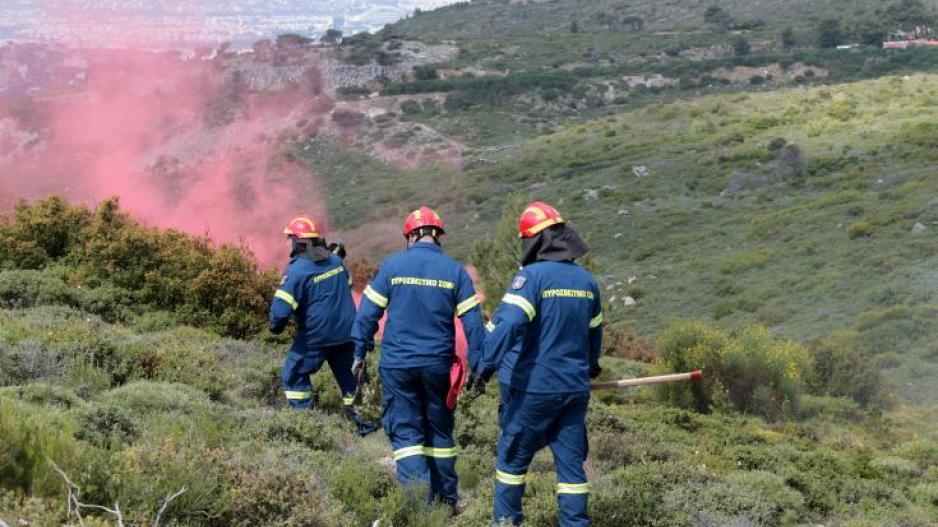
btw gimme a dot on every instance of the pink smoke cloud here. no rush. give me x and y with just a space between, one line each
185 144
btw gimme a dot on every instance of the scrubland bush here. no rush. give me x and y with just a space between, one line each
757 497
926 494
314 432
159 467
844 371
270 492
860 229
748 369
142 398
125 265
29 439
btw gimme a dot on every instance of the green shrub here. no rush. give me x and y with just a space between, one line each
922 452
27 510
111 255
144 397
757 373
896 466
843 371
361 487
314 431
102 423
923 135
742 261
832 408
633 496
756 497
31 436
860 229
43 394
270 492
152 470
35 234
925 494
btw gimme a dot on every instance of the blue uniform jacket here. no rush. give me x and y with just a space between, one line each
547 331
422 290
319 296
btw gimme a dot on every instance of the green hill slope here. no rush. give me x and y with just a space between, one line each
794 208
134 413
102 376
524 34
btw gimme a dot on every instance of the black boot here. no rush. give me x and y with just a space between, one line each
362 427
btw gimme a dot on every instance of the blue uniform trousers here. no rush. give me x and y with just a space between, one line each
299 367
420 428
297 384
529 422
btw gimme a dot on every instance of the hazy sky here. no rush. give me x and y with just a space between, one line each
208 20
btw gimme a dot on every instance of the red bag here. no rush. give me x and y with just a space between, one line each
459 373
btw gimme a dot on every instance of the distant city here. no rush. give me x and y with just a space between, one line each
183 22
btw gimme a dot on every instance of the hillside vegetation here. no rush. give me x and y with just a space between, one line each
135 411
528 68
768 212
812 211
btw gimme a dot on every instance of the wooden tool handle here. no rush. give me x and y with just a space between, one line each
642 381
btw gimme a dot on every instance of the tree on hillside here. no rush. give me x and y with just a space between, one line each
574 27
292 41
496 259
830 34
332 36
425 73
909 14
607 21
789 164
717 16
788 39
741 47
635 22
873 33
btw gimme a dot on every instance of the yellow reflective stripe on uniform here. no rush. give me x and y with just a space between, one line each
287 297
377 298
348 400
573 488
439 453
596 321
328 274
408 451
466 305
510 479
298 396
490 326
521 302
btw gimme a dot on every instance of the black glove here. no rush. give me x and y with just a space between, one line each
338 248
594 371
277 327
476 385
358 368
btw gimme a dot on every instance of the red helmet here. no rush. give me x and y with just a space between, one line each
536 217
423 217
303 227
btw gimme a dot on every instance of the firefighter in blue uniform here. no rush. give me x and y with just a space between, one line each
544 341
422 290
316 291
